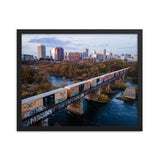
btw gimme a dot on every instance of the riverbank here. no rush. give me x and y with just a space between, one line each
131 79
102 99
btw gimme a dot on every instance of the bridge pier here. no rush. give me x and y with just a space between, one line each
113 84
76 107
94 95
119 80
44 123
105 88
123 77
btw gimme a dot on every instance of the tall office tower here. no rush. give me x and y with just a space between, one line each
103 51
53 53
41 51
50 55
59 54
85 52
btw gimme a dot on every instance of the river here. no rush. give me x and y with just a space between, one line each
115 113
59 80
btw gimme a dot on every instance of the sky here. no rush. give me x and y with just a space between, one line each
115 43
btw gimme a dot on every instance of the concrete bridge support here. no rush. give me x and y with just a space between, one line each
76 107
123 77
44 123
113 84
94 95
105 88
119 80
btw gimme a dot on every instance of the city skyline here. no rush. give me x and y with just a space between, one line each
115 43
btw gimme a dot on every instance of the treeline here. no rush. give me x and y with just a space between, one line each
133 73
34 81
84 70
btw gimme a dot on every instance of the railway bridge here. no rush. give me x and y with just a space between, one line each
39 107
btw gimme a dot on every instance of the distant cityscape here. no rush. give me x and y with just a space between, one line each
58 55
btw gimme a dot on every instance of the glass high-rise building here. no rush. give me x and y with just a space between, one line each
59 54
85 52
103 52
41 51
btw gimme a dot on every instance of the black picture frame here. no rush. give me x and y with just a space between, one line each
79 31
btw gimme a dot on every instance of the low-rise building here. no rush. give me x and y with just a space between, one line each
135 58
74 56
89 60
122 57
27 57
100 57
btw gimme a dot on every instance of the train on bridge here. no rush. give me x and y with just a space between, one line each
38 103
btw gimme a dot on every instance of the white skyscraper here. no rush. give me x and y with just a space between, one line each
53 53
103 51
93 54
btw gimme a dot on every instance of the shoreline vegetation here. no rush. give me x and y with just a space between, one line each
35 74
121 86
104 95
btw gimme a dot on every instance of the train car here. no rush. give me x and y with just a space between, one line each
117 73
100 79
30 104
60 96
54 97
72 90
87 85
75 89
45 99
121 72
114 74
93 81
107 77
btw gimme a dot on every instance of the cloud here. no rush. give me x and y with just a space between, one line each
50 42
115 43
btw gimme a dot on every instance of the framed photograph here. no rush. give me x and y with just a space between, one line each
79 80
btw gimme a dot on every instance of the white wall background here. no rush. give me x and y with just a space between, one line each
71 14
